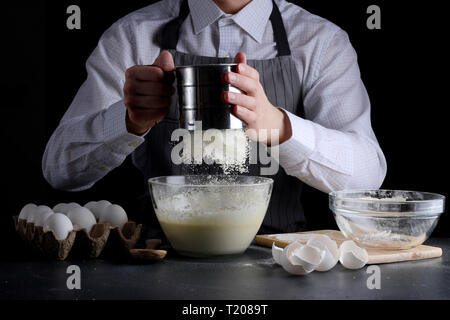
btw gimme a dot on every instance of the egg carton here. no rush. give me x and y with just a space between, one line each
102 237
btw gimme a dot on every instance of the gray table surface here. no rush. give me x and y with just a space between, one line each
252 275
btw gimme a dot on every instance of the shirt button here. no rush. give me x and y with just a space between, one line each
226 20
226 55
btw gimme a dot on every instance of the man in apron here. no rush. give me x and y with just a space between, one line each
299 74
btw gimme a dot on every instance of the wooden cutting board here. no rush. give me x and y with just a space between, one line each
376 256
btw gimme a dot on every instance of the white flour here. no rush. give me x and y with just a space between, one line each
227 148
393 199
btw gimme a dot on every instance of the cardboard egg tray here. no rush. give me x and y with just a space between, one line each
103 237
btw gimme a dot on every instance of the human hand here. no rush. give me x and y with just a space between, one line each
253 106
147 93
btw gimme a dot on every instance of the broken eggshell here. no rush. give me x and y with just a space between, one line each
276 253
352 256
330 249
299 259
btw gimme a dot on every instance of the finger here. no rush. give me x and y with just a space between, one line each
147 102
240 58
245 115
148 88
165 62
246 70
145 73
246 84
240 99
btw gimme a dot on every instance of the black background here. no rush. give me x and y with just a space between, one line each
403 66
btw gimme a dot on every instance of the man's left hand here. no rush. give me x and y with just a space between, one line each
253 107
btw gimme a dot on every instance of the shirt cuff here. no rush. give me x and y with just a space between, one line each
115 133
300 146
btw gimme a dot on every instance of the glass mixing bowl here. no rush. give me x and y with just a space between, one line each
386 219
210 215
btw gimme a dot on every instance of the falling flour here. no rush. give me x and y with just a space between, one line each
227 148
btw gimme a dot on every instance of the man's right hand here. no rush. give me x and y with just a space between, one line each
147 93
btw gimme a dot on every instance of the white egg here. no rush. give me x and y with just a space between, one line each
40 210
40 219
91 205
99 207
276 253
60 208
299 259
115 215
352 256
330 249
27 211
60 224
82 217
71 206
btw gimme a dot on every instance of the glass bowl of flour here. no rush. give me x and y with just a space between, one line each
209 215
386 219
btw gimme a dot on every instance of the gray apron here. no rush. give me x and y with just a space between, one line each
282 86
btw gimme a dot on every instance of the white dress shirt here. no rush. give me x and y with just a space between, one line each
333 148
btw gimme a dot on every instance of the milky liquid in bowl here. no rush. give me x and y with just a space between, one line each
215 219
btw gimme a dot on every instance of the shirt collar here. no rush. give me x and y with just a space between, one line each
253 18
